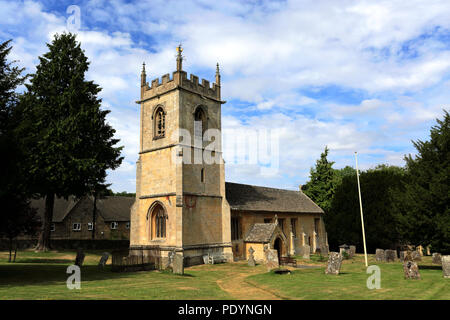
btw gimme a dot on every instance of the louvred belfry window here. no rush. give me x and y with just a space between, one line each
159 123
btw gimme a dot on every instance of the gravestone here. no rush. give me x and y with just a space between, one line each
103 259
170 256
416 256
79 258
306 250
436 258
178 264
352 251
206 259
325 250
272 259
344 251
411 270
334 263
390 255
446 266
379 255
251 258
403 255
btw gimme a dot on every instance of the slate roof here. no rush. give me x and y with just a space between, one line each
254 198
111 208
260 232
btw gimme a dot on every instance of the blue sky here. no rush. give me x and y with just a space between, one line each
360 76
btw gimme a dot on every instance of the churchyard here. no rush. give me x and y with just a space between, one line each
43 276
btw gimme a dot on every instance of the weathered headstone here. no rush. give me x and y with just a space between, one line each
344 251
411 270
79 258
334 263
379 255
390 255
446 266
178 264
436 258
306 250
103 259
251 258
206 259
416 256
272 259
403 255
352 251
325 250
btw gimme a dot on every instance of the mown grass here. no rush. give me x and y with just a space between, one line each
43 276
314 284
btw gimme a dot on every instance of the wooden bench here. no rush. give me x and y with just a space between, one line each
288 261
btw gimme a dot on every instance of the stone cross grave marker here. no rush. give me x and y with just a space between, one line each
251 258
334 263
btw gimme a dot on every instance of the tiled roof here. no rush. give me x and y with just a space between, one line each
260 232
254 198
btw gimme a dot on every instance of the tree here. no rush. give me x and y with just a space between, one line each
426 215
16 215
380 188
70 146
321 186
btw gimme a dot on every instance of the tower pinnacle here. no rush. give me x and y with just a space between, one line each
179 58
217 75
143 75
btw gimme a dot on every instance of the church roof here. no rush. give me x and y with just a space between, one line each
111 208
260 232
254 198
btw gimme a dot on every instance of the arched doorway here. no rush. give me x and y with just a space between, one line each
277 245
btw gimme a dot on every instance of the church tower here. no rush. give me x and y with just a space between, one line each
180 205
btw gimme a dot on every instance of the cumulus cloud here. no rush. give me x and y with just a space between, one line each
355 75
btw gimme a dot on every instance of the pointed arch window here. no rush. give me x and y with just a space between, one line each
199 122
159 123
158 222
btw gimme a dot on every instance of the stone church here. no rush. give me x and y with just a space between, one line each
184 206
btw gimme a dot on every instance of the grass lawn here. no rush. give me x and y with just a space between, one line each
43 276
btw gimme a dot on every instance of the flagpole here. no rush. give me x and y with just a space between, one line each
361 209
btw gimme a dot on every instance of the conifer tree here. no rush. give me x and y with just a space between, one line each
70 145
321 186
426 216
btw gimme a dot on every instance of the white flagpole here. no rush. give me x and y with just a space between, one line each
361 209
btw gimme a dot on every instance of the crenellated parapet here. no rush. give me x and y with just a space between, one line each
179 79
166 83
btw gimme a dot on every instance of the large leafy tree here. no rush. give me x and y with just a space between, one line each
379 190
426 216
16 215
70 145
321 186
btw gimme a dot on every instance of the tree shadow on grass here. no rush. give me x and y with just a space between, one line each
430 267
39 260
45 274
